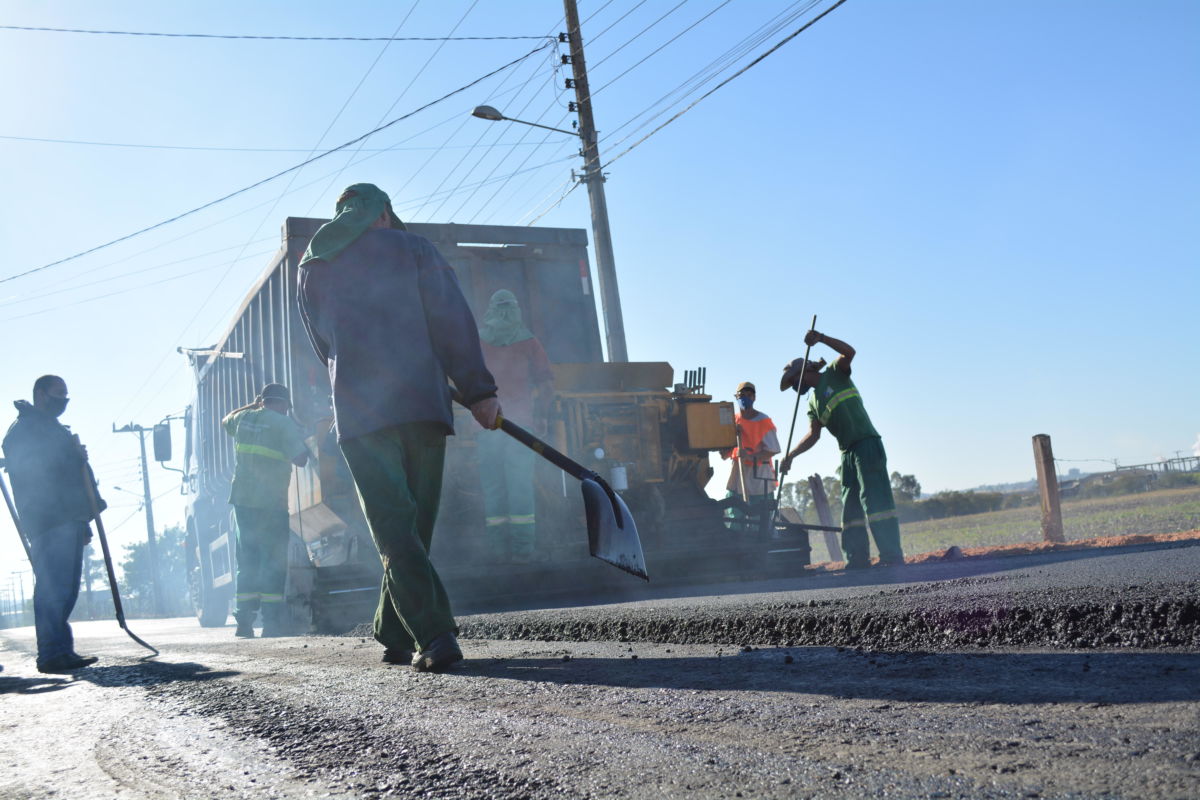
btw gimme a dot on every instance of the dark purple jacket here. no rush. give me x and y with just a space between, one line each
389 319
47 472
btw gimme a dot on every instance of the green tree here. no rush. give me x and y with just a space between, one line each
798 495
906 487
137 583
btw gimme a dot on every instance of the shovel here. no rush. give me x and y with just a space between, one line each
118 609
612 534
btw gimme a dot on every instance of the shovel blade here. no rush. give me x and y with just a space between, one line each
612 534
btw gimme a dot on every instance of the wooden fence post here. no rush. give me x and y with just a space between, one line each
821 502
1047 476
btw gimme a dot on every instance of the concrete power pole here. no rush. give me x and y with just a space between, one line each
606 270
151 544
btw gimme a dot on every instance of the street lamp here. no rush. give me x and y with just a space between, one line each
606 271
492 115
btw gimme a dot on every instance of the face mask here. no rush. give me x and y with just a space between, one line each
57 405
744 403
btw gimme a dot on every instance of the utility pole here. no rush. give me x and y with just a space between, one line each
152 545
606 270
1047 477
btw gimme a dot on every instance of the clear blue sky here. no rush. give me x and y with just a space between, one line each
996 203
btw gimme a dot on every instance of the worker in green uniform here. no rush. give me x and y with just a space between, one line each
385 312
866 487
267 442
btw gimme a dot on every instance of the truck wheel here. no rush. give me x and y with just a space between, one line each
211 607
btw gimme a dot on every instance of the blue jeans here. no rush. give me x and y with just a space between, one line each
57 566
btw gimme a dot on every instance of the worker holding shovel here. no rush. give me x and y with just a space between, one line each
384 311
55 512
753 475
866 487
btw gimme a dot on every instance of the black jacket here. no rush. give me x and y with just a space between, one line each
47 472
388 318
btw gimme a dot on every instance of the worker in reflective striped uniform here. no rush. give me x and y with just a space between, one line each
866 488
267 442
519 364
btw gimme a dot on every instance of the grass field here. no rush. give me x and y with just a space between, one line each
1167 511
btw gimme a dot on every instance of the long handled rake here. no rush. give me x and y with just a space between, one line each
792 429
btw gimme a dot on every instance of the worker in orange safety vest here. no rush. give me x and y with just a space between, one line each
758 445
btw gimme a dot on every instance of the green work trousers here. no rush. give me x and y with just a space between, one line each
262 543
506 475
398 474
867 499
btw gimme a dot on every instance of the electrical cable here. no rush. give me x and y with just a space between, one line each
276 38
556 203
399 97
287 171
27 299
208 149
484 132
638 35
499 162
615 23
594 92
725 82
711 70
129 289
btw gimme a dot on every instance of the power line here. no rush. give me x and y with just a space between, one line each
276 38
740 72
213 149
28 298
711 70
404 91
659 49
287 171
128 289
639 34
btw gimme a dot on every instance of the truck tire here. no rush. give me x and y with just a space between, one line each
211 605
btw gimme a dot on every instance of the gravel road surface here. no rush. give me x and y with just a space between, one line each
720 705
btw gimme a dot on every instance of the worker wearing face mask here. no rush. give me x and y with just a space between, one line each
47 467
753 474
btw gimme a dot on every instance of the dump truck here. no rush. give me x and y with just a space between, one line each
630 422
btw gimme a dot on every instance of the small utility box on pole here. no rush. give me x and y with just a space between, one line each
1047 476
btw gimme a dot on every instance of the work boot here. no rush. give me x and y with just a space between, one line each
245 626
273 621
67 662
439 654
397 656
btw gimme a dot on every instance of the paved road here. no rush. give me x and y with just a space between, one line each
320 716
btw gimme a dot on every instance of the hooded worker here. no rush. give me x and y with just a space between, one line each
866 487
267 442
47 467
384 311
522 370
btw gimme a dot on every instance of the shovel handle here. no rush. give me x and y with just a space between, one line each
567 465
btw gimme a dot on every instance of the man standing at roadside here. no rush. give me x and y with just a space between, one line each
385 312
47 468
866 486
267 442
